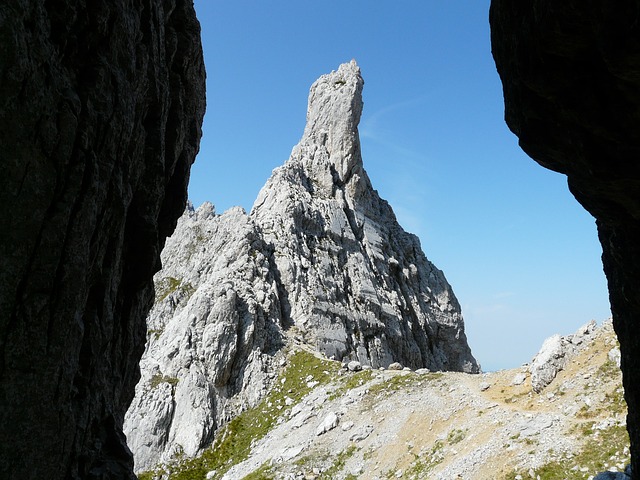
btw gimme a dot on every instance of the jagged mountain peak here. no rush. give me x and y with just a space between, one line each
321 258
327 161
353 279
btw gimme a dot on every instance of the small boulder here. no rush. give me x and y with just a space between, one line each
548 362
395 366
329 423
361 434
519 379
347 426
614 356
354 366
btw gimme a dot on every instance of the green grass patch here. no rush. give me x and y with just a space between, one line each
168 285
265 472
232 444
401 381
338 463
601 449
155 332
609 370
351 381
330 466
585 412
456 436
424 463
614 402
158 378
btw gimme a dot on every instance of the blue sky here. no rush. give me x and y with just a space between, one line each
520 253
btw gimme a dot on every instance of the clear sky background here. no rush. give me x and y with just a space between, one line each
520 253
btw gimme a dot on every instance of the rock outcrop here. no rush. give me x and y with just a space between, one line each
101 105
554 354
571 83
320 260
355 283
212 337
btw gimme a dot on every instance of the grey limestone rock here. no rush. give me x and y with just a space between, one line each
211 335
551 358
329 423
614 356
320 259
554 354
354 282
354 366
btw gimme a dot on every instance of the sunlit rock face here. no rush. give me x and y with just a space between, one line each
100 111
320 260
355 283
571 79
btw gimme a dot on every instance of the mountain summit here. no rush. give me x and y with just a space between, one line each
320 262
355 281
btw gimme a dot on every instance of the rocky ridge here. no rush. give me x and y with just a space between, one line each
334 420
320 260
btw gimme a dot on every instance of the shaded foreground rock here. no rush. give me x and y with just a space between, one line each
571 82
100 113
320 261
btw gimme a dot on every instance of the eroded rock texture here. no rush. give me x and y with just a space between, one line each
320 261
213 336
571 77
354 281
100 111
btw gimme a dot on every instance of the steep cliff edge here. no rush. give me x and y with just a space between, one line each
355 281
320 261
100 113
571 81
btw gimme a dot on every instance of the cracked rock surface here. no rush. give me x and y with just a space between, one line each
320 258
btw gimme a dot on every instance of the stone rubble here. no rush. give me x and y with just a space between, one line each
445 424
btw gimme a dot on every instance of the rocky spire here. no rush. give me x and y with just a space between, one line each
355 281
320 255
333 114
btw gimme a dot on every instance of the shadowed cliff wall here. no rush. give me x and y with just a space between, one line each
101 105
571 77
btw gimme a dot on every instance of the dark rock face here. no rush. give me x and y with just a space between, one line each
101 105
571 77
